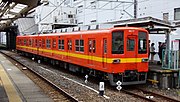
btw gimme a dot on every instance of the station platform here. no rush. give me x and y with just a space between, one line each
17 87
163 78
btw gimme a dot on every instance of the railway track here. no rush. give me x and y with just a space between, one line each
65 94
148 95
137 93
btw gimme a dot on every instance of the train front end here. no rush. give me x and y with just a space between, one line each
129 56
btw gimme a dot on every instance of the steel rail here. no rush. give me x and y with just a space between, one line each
137 95
70 97
159 95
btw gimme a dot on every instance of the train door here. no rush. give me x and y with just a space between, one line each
104 60
69 46
92 50
131 46
54 45
131 52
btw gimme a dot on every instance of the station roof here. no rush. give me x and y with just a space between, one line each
150 23
11 10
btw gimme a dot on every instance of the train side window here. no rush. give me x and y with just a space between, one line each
130 44
118 42
79 45
69 44
48 43
61 44
82 45
24 41
142 42
40 43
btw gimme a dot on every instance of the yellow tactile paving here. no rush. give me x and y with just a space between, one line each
10 90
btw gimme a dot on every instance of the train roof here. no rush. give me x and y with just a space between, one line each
87 32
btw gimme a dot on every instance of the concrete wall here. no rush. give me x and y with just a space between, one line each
156 8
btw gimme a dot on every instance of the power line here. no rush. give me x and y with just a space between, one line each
46 15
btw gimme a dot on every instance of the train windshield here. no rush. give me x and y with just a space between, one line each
142 42
118 42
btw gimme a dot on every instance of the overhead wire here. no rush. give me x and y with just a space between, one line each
46 15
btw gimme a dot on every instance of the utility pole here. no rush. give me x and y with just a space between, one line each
135 9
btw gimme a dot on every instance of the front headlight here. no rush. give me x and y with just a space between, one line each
145 60
116 61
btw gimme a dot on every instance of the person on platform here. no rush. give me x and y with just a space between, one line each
152 52
149 49
160 52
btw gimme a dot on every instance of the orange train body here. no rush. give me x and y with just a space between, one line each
117 52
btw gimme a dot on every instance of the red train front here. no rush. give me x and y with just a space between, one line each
116 54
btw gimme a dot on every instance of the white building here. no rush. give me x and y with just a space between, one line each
54 12
86 12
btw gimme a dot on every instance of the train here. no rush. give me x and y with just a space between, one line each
113 54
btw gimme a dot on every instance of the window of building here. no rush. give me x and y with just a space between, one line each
70 16
80 9
142 42
48 43
93 4
79 45
177 14
80 22
165 16
118 42
61 44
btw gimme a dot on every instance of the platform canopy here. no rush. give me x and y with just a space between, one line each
11 10
149 23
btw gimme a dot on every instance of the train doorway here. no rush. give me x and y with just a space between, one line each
132 50
132 46
104 52
92 50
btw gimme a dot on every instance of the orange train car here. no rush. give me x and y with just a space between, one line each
115 54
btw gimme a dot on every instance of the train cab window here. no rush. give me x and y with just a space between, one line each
61 44
130 44
118 42
69 44
79 45
142 42
48 43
